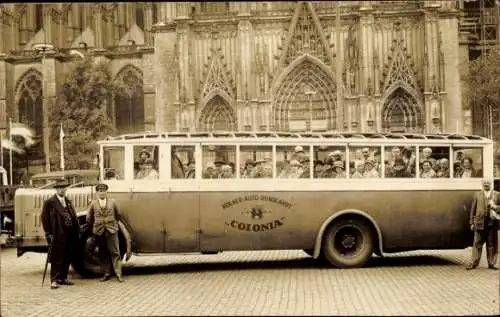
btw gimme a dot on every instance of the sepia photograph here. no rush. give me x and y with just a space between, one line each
247 158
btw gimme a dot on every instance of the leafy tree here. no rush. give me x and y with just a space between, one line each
483 86
82 108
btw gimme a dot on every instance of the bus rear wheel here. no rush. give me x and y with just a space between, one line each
348 243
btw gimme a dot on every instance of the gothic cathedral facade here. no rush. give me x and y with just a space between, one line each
360 66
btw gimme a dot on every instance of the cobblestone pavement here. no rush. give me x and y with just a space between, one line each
258 283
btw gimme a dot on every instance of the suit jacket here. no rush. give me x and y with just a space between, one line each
103 219
53 224
480 213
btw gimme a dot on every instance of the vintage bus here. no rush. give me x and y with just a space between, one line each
340 197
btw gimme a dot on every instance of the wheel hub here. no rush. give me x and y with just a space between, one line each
348 241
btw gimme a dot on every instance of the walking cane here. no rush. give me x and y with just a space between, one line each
47 260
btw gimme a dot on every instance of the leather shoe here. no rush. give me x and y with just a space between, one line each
105 277
65 282
54 285
120 279
470 267
492 267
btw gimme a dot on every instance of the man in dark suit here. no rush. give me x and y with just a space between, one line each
61 230
484 223
103 217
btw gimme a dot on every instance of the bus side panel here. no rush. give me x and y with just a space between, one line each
162 221
291 220
254 221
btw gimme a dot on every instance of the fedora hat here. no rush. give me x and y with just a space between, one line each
101 186
61 183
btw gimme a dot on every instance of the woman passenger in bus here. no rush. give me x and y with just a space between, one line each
444 168
283 168
467 168
296 169
370 171
359 168
427 171
318 168
226 171
328 170
338 166
248 169
148 172
210 172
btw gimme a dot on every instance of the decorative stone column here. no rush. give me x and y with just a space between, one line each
431 60
367 75
245 90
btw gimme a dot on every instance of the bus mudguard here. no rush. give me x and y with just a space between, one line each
331 219
123 229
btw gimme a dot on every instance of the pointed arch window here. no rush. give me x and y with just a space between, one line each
401 113
30 108
129 101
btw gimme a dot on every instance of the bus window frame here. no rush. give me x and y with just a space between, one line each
196 155
361 144
102 158
131 161
212 142
420 147
250 144
400 145
483 147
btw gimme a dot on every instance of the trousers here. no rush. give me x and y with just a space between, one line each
109 248
490 237
62 254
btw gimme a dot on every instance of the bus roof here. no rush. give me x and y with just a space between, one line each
291 135
61 174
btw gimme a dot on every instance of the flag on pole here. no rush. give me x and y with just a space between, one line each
61 142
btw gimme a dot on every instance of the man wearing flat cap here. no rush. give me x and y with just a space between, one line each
61 230
103 217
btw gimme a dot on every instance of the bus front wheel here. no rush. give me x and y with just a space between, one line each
86 261
348 243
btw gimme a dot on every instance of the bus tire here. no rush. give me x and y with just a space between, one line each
86 261
348 243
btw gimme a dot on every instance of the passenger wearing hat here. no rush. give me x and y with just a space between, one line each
328 170
210 172
338 167
103 217
296 169
318 168
61 228
248 169
147 171
370 171
399 168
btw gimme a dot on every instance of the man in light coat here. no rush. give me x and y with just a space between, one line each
484 223
103 217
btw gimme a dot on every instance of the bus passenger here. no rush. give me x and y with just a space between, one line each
248 169
399 169
299 153
328 170
147 171
358 157
467 168
444 168
427 171
267 171
359 168
226 171
396 153
284 169
370 171
457 169
377 161
339 169
190 171
305 167
336 155
318 168
366 154
210 171
296 169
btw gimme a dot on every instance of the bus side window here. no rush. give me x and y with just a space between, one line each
292 162
329 161
434 162
365 162
400 162
256 161
146 162
113 162
183 162
468 162
219 161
